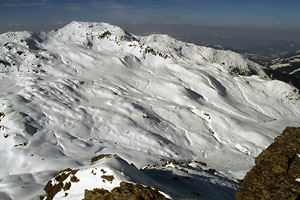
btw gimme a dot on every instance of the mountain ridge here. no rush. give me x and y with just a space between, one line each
86 90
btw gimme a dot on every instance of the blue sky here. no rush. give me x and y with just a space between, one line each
284 13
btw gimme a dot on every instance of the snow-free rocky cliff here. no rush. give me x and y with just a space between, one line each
186 118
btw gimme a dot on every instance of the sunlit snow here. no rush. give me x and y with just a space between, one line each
91 88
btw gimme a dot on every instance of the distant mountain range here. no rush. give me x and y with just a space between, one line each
289 64
265 53
275 48
281 59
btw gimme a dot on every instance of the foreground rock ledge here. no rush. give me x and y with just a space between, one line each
276 174
126 191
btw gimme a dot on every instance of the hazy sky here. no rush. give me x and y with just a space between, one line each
39 15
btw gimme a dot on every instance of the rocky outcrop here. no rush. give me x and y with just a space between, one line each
126 191
108 177
276 174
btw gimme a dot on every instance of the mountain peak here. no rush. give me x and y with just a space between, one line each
92 26
83 29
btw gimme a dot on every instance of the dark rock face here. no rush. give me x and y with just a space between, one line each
276 171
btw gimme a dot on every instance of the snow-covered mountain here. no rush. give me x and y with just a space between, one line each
189 119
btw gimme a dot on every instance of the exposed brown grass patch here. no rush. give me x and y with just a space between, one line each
109 178
52 188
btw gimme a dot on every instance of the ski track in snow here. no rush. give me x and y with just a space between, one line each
71 95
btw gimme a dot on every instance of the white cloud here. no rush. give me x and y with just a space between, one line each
59 23
173 16
14 24
74 7
26 3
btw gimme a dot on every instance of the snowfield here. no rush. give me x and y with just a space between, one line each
187 118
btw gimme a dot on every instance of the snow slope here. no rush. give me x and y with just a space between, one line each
92 88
